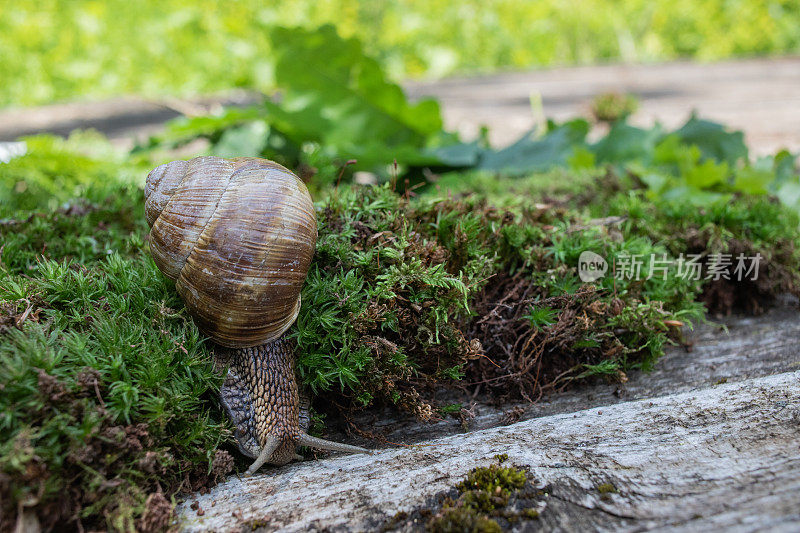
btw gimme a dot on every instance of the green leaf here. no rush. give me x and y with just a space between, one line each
185 129
458 155
753 180
655 181
581 158
671 150
789 195
334 94
693 196
714 140
247 140
706 174
530 154
627 143
785 169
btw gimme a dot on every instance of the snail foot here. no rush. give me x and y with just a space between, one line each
237 401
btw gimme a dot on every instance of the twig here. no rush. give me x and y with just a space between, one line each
20 319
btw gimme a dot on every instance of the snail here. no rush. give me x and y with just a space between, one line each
237 236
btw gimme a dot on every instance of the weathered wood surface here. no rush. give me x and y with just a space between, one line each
710 438
727 456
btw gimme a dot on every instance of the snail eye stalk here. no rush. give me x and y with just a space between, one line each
266 452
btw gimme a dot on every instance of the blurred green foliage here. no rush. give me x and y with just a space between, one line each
610 107
53 170
339 110
64 49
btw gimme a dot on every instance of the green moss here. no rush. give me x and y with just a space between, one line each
759 220
105 388
450 409
396 286
54 170
748 227
493 478
105 383
463 519
484 502
606 488
545 188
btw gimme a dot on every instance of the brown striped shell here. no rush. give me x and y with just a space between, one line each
237 236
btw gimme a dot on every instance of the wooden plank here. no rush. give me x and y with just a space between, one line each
726 456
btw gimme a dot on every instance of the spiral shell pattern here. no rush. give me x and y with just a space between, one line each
237 236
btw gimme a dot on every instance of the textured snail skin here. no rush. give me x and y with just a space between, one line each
260 396
238 236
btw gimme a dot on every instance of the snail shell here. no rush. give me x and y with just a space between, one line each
237 236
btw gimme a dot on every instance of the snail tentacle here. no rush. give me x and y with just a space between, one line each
267 450
322 444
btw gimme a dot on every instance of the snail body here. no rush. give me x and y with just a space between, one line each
237 236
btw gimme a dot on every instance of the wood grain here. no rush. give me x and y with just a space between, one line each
726 456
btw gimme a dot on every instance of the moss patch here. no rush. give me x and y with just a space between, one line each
106 387
488 499
408 294
105 396
606 488
747 227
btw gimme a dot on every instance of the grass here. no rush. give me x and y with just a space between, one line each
75 49
107 390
